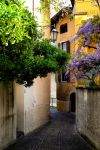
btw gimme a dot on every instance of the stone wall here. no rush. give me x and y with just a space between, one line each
88 114
7 115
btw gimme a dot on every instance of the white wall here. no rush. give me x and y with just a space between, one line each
37 103
53 86
32 104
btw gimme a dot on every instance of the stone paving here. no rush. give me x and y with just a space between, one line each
59 134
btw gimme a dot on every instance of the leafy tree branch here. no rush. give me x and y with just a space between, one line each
24 54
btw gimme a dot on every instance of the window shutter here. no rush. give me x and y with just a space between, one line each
58 45
59 77
68 46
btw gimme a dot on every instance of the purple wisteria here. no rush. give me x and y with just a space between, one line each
87 64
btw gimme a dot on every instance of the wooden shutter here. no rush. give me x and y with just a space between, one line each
58 45
68 46
59 77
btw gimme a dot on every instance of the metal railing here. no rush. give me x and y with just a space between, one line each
53 102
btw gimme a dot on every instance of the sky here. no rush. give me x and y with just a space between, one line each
64 3
29 3
36 5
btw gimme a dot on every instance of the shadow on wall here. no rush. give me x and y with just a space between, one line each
72 102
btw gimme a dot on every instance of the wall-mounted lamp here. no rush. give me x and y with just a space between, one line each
54 34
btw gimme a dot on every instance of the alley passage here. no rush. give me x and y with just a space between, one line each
59 134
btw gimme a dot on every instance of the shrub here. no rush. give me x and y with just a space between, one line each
24 54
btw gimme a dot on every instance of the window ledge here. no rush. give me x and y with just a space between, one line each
80 13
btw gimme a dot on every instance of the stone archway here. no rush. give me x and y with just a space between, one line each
72 102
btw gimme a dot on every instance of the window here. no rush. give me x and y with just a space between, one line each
65 46
63 77
63 28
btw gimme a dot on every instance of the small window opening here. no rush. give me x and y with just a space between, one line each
63 28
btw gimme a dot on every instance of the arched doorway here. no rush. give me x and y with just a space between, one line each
72 102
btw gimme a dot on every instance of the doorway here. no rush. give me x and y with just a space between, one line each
72 102
53 93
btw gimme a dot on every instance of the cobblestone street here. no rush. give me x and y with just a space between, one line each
59 134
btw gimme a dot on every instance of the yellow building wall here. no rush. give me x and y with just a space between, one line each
90 8
64 89
84 6
83 10
67 35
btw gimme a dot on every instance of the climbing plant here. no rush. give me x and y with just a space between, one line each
24 54
86 64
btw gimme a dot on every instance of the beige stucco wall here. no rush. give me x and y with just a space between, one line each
87 114
7 115
32 104
37 104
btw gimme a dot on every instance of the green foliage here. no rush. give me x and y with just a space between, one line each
47 58
24 55
16 22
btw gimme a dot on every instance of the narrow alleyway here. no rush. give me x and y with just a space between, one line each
59 134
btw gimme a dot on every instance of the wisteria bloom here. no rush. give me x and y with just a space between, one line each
87 65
